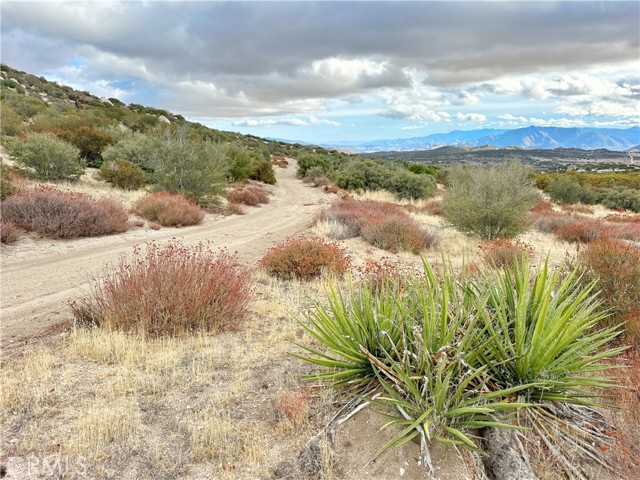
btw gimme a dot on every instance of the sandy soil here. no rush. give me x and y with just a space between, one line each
39 276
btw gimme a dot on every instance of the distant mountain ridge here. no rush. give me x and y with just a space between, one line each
527 138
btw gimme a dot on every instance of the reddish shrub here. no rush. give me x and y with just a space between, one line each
9 233
168 290
542 207
331 189
321 181
623 231
304 258
577 208
578 230
168 209
616 267
378 274
396 234
294 405
355 214
434 207
59 214
503 253
251 196
549 222
619 218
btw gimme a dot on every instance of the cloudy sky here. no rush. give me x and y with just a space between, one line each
333 71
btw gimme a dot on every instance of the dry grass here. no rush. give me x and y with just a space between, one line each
140 407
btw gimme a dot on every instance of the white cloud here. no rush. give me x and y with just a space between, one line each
323 121
471 117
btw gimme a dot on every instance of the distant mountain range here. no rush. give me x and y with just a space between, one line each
527 138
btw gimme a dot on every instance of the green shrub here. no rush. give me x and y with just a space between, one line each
11 123
240 163
170 290
50 157
90 142
304 258
454 354
262 171
406 184
138 148
490 202
565 190
625 199
122 174
6 186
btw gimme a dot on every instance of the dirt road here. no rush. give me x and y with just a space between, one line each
38 277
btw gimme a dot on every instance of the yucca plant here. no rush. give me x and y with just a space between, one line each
541 327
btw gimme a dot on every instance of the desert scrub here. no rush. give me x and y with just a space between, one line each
490 202
122 174
455 353
9 233
50 157
168 290
384 225
504 253
168 210
252 196
304 258
59 214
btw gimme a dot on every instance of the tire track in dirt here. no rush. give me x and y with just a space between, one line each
38 279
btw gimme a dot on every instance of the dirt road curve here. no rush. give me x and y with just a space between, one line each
38 277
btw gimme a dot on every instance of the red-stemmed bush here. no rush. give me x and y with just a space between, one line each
504 253
59 214
168 209
252 196
578 230
615 265
577 208
9 233
304 258
397 234
168 290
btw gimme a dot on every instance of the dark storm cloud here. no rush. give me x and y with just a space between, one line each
266 50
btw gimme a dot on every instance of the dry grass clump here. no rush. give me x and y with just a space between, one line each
433 206
57 214
384 225
304 258
279 161
168 209
616 267
252 196
9 233
504 253
168 290
294 405
577 208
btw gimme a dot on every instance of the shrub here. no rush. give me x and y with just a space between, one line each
549 222
578 230
251 196
406 184
504 253
59 214
618 218
615 266
577 208
50 157
397 234
279 161
89 141
168 290
354 214
452 354
9 233
239 160
565 190
137 148
304 258
168 209
434 207
122 174
622 199
490 202
6 186
376 275
262 171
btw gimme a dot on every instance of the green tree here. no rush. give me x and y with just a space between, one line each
50 157
490 202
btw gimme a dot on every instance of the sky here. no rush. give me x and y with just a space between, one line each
327 72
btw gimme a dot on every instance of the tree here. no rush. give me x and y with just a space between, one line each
50 157
490 202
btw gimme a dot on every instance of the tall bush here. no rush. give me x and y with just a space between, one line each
490 202
50 157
